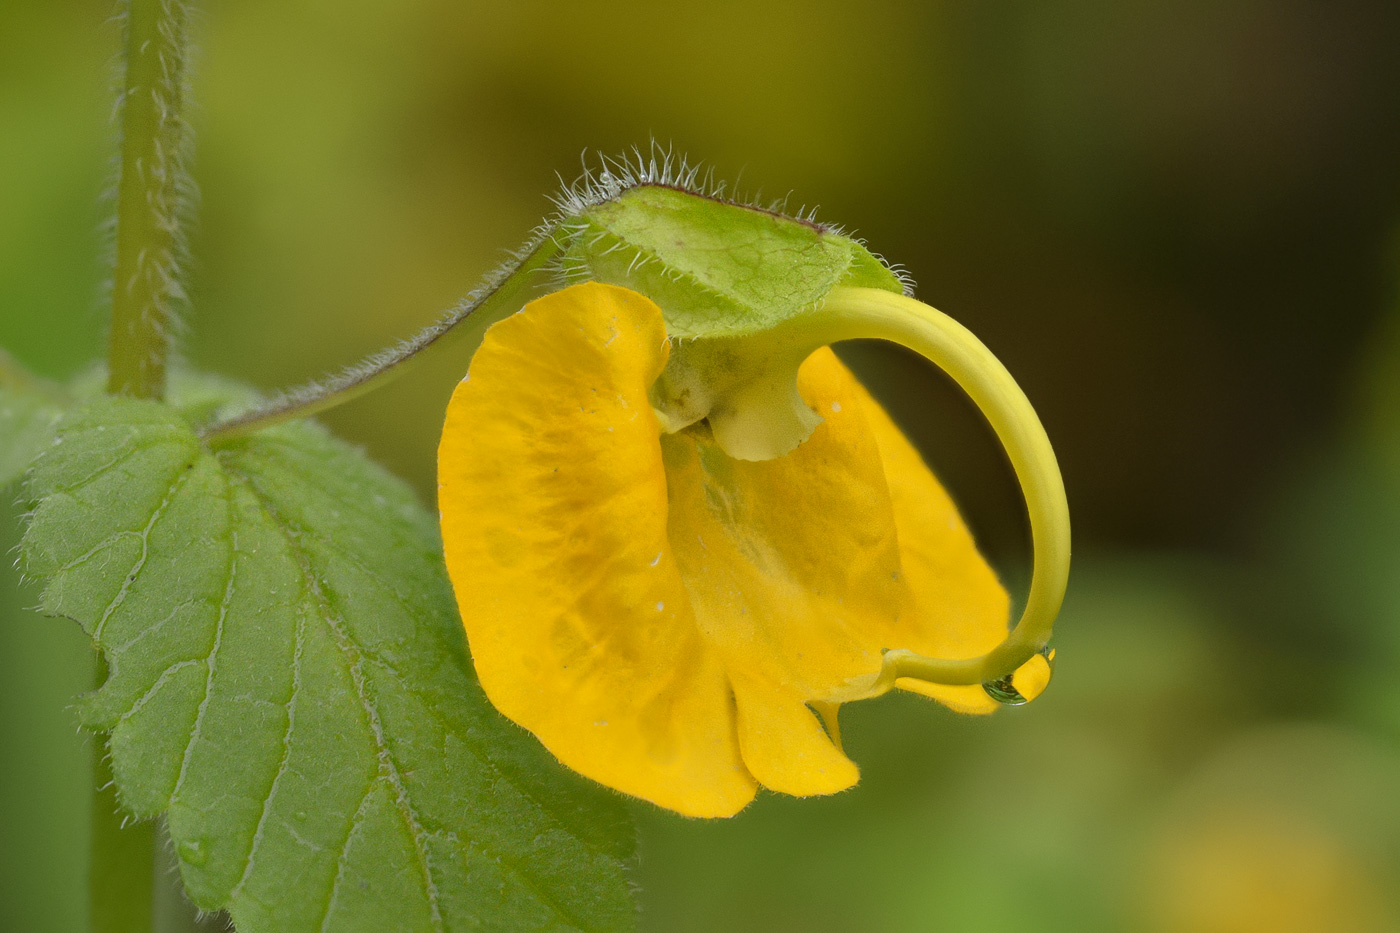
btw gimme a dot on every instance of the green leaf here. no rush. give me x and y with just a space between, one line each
26 427
716 268
289 684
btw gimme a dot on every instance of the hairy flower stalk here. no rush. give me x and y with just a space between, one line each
461 327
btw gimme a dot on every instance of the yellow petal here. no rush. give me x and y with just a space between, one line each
792 564
793 568
553 500
783 743
1031 678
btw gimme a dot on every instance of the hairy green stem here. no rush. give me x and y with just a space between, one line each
151 189
464 325
145 283
121 872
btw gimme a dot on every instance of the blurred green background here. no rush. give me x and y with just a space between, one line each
1174 221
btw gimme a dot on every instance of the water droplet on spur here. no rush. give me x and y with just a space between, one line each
1003 692
1024 684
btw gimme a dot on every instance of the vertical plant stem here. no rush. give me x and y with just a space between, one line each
150 191
121 873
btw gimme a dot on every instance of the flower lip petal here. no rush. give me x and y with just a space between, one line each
553 502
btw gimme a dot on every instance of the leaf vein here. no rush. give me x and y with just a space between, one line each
340 862
149 630
136 568
127 452
281 769
96 548
388 768
543 896
164 676
211 660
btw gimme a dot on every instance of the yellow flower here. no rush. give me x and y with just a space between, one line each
671 621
